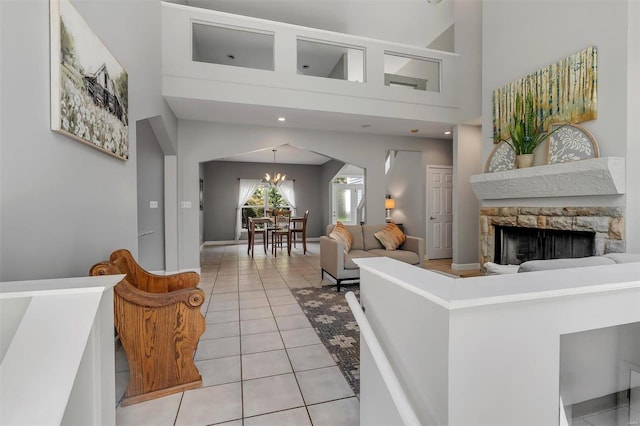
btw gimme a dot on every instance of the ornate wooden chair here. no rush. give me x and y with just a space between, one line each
159 322
299 226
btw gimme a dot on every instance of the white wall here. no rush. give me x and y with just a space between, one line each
446 40
406 183
205 141
206 183
329 171
65 205
513 47
633 127
521 46
150 168
468 44
2 135
467 149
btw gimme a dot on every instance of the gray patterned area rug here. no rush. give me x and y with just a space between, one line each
329 314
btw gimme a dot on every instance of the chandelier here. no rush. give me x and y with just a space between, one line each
277 178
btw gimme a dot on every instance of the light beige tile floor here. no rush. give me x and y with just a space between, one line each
260 359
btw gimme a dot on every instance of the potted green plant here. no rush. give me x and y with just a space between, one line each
524 134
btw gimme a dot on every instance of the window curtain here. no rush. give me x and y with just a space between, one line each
287 192
245 190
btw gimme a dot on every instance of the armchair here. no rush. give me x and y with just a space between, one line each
159 322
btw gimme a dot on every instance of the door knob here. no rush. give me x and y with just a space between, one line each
432 218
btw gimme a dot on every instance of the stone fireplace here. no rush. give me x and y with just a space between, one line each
606 224
597 180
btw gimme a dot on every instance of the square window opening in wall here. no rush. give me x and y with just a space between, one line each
233 46
330 60
411 72
600 375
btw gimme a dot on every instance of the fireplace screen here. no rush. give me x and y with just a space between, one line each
515 245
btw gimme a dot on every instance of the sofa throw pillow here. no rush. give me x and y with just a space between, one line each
340 233
391 237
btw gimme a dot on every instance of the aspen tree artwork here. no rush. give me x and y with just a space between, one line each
564 92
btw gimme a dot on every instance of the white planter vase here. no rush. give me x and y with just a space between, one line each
524 160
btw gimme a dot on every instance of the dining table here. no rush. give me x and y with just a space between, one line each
269 224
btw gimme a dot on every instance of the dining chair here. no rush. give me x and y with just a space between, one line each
281 229
257 227
299 226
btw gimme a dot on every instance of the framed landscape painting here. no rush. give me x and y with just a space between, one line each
89 87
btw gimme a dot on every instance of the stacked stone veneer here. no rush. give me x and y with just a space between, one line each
606 222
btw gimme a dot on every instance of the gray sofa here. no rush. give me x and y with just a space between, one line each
545 265
607 259
341 267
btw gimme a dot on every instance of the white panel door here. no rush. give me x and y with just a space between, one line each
439 212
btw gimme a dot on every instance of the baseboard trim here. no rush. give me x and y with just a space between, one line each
223 243
198 270
464 266
243 242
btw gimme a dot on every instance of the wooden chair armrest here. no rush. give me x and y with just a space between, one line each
104 268
153 283
163 283
193 297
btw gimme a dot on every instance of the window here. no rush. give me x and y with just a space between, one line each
330 60
411 72
264 198
238 47
347 199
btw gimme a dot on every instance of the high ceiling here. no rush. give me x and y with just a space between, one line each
285 154
413 22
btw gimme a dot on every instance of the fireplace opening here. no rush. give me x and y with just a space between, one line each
514 245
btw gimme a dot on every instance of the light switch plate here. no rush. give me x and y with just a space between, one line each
185 204
153 204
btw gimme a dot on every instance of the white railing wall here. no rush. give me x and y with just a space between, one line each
394 387
185 78
57 362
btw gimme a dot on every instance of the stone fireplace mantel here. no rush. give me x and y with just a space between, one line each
597 176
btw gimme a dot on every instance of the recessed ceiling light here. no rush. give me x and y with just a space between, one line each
414 130
448 132
230 56
281 119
